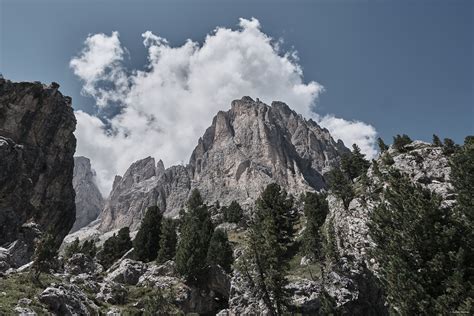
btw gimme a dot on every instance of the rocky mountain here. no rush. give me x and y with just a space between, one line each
37 145
244 149
89 200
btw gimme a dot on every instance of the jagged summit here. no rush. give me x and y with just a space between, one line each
245 148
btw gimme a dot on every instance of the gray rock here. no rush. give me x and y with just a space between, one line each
89 200
79 263
245 149
126 272
67 299
112 293
37 145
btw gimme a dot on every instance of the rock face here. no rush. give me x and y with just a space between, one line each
245 149
89 200
37 145
351 279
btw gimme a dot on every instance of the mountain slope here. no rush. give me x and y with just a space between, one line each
245 149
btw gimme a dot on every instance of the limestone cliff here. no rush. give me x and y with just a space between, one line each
37 145
245 148
89 200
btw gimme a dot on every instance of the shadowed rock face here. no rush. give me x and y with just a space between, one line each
37 145
245 149
89 201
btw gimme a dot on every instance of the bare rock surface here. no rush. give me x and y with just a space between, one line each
37 145
246 148
89 201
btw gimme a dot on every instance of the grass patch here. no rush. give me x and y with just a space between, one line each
20 285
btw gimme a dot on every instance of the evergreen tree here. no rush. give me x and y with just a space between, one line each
115 247
449 146
72 248
147 242
265 261
436 141
354 164
195 235
387 159
341 186
232 213
382 146
168 240
400 141
89 248
418 250
220 252
316 209
45 253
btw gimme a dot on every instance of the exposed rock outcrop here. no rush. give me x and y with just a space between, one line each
37 145
89 200
245 148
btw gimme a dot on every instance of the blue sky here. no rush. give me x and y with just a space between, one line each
400 66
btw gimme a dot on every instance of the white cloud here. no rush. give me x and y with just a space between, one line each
165 108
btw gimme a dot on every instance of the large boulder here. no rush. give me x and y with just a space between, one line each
37 145
67 299
127 271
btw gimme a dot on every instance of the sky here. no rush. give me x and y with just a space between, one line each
157 71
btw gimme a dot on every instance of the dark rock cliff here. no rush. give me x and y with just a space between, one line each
37 145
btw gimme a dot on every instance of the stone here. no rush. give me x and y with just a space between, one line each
244 149
112 293
37 145
79 263
89 201
126 272
67 299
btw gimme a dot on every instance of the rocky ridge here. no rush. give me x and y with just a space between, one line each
245 149
37 145
89 201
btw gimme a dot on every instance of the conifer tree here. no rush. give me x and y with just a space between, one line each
436 141
168 240
341 186
89 248
195 233
220 252
232 213
115 247
147 242
400 141
316 209
449 146
73 248
45 253
265 261
422 262
382 146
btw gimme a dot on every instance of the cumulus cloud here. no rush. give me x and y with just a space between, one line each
167 106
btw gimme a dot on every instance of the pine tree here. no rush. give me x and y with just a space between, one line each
400 141
418 250
232 213
382 146
168 240
436 141
115 247
316 209
341 186
220 252
195 234
449 146
265 261
72 248
89 248
45 253
147 242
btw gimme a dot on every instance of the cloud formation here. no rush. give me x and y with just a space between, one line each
168 106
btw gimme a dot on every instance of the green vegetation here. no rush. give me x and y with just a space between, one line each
196 231
232 213
115 247
436 141
423 249
270 236
88 248
354 164
382 146
449 147
147 242
315 210
168 240
45 254
400 141
220 252
341 186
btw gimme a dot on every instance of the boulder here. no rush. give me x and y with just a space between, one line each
126 272
67 299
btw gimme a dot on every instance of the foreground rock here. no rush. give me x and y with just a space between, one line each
89 200
37 145
245 149
67 299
